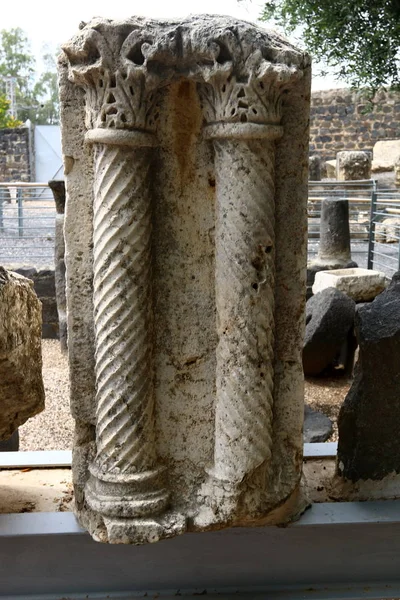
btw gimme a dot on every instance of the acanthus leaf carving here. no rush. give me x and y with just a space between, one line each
119 93
248 92
242 76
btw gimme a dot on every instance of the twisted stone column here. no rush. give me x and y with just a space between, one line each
125 479
245 278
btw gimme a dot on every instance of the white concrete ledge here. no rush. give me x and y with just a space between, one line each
37 459
45 459
320 514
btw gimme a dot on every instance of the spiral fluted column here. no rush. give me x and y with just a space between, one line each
125 479
245 283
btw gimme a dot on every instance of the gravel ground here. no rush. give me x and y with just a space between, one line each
327 395
53 428
29 241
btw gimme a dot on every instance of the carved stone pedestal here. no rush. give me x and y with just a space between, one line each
185 147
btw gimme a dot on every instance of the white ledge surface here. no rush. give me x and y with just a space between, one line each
46 459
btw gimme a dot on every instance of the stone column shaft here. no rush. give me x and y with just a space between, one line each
245 279
334 243
126 463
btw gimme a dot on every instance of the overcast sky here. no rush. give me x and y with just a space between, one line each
54 22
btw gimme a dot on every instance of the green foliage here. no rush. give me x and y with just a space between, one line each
16 59
6 120
360 39
35 100
46 93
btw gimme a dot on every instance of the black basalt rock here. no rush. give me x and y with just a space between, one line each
369 420
329 320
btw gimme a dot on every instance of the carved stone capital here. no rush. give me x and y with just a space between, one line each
254 93
242 71
108 62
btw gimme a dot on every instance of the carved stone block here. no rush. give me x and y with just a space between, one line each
352 165
21 384
362 285
185 150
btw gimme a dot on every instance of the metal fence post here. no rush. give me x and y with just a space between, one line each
20 213
371 232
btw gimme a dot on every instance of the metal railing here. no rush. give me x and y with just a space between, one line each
384 234
27 224
360 195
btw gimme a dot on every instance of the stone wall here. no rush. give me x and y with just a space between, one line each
341 120
15 154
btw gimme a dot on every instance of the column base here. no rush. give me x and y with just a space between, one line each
126 495
144 531
224 503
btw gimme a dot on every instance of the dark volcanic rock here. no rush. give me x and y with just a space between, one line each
329 320
12 444
317 426
369 420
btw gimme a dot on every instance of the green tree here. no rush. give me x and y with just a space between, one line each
360 39
6 120
17 61
46 93
35 100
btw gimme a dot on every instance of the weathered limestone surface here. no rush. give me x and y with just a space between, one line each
388 230
352 165
368 452
385 155
362 285
330 169
185 152
21 385
397 171
58 189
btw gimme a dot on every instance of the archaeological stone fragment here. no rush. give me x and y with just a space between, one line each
314 168
369 420
397 172
362 285
330 321
58 189
317 426
185 149
353 165
21 385
385 155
